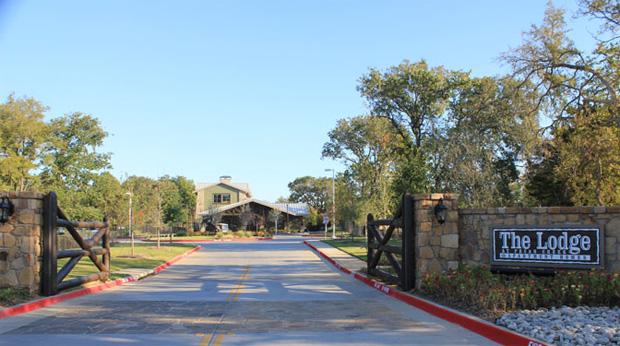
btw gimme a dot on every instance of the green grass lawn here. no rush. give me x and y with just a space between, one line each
356 246
353 246
146 256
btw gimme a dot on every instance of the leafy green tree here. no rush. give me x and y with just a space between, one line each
107 196
462 134
315 192
488 130
567 77
589 158
23 134
312 191
410 96
370 148
413 98
145 201
72 151
187 198
580 92
543 186
73 164
177 199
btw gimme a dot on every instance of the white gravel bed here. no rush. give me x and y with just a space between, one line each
567 326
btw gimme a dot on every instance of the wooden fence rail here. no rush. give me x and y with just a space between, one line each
378 247
52 278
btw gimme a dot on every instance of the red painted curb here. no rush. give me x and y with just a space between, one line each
41 303
486 329
329 259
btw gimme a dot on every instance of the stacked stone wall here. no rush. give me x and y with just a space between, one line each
437 244
20 242
474 226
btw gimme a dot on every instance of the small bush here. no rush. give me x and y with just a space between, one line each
10 296
502 292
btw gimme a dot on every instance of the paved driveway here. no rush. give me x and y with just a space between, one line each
246 293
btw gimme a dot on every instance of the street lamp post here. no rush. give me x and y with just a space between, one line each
130 230
333 201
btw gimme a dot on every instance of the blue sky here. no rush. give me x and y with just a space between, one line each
242 88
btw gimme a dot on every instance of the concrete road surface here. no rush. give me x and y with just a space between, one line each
275 292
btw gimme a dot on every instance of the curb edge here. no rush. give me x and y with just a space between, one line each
43 302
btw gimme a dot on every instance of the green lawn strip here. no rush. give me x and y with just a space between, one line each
353 246
357 246
146 256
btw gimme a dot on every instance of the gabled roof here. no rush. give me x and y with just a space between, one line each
294 209
243 187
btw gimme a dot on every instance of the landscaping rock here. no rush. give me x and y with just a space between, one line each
568 326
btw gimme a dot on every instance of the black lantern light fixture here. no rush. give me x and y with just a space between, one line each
6 209
440 211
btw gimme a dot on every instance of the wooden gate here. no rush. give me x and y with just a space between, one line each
53 279
379 248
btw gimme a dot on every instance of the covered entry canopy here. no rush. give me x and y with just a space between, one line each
252 213
293 209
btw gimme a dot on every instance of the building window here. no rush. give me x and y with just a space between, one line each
221 198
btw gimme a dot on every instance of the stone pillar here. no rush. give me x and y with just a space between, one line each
20 242
437 244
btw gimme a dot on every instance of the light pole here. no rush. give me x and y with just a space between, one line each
333 201
158 213
130 230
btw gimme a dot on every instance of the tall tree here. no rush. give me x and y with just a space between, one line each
487 133
144 200
413 97
187 198
370 148
589 158
463 134
23 134
73 157
312 191
73 164
580 92
410 96
565 76
178 199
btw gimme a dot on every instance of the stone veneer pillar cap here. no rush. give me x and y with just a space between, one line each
22 194
435 196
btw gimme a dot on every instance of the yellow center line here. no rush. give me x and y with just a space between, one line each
218 340
215 339
206 339
209 339
236 291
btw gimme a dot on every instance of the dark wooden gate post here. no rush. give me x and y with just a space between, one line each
50 264
408 254
105 243
370 239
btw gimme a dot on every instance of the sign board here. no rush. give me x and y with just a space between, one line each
325 219
554 246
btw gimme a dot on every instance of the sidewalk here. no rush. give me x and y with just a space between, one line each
350 262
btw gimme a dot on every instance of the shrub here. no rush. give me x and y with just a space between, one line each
502 292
